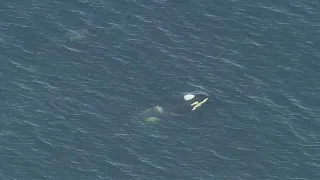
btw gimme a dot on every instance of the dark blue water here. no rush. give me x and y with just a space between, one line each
75 74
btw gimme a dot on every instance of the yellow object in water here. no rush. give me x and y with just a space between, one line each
199 104
194 103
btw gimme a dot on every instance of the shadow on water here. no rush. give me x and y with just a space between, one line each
88 29
77 35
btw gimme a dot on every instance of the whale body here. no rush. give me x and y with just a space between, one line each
187 103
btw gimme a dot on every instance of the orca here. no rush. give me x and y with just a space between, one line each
190 102
185 104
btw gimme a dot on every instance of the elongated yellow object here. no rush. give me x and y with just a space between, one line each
194 103
199 104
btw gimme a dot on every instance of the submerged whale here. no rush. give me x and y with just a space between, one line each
188 103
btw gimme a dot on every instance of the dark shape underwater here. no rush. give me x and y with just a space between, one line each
188 103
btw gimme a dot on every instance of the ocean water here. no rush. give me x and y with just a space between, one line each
76 74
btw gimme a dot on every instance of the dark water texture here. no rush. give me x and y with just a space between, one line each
74 75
